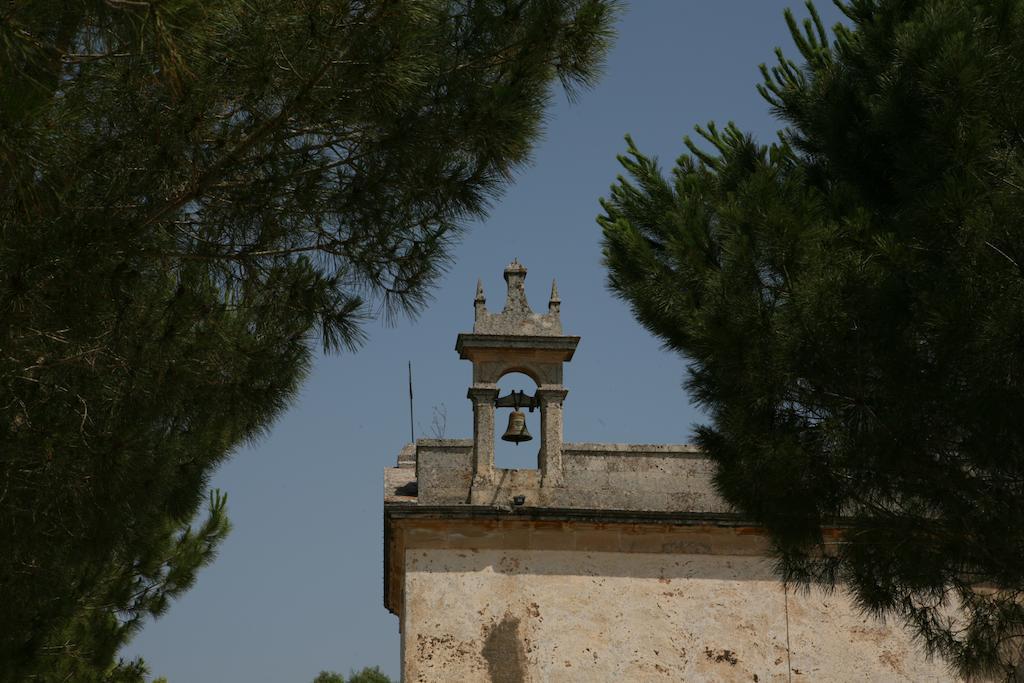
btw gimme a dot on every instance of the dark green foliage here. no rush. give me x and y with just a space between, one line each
192 194
367 675
329 677
850 301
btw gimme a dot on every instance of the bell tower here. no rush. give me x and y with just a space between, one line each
516 340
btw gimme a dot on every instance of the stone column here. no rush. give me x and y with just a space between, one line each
483 397
551 435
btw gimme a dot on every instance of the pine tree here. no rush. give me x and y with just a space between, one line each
193 194
850 303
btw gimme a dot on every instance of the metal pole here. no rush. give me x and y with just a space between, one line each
412 434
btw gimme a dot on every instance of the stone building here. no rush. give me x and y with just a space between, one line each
608 562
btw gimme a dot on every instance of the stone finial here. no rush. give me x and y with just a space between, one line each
554 303
515 300
479 302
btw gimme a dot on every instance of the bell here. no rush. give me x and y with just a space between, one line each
516 431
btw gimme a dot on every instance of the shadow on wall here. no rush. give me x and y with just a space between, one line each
504 652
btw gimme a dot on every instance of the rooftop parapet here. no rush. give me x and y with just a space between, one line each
624 478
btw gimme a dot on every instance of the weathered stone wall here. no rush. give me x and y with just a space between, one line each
633 569
530 614
444 470
638 477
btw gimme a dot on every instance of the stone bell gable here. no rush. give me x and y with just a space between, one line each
608 562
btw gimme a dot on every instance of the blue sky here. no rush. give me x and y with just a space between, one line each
297 587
